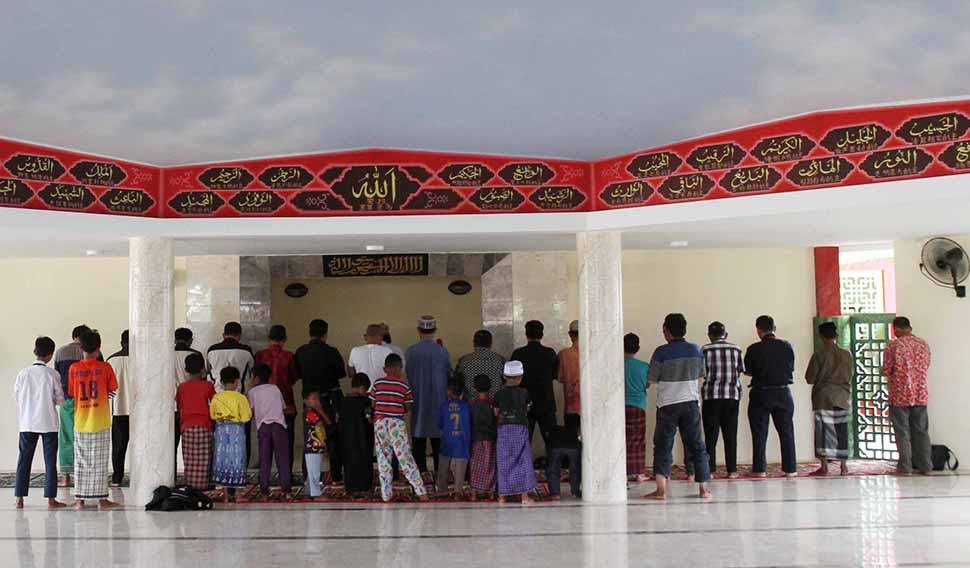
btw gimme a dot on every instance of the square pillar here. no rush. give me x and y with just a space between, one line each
601 366
151 268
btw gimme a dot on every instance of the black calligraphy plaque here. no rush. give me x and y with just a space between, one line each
626 193
255 202
129 201
66 196
466 175
234 177
820 171
851 139
318 200
750 179
14 192
351 265
957 155
656 164
196 202
435 199
375 188
98 173
716 156
785 148
686 186
557 197
530 173
504 198
896 163
38 168
285 177
332 174
419 173
936 128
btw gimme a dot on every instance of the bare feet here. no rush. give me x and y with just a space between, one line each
423 498
759 474
820 472
643 478
20 503
844 470
733 475
105 504
79 505
705 492
690 479
657 495
527 500
554 498
503 500
791 475
55 504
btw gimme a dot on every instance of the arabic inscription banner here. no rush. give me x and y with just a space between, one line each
355 265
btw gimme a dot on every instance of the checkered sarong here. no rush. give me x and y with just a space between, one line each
197 455
636 440
516 473
92 450
483 469
832 434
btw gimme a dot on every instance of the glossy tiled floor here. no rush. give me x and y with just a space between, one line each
805 522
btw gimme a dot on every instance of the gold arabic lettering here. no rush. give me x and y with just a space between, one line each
378 184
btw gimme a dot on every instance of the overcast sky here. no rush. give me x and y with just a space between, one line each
172 82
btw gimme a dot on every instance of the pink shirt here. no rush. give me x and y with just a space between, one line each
905 363
267 403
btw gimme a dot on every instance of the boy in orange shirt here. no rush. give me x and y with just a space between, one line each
92 383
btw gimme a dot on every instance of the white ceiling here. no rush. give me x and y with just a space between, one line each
861 214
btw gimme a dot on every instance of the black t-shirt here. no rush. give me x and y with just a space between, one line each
541 365
561 437
320 366
770 362
483 421
513 406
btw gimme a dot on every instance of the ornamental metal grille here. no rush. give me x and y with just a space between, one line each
873 429
862 292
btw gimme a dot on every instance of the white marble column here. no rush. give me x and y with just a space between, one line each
601 366
151 267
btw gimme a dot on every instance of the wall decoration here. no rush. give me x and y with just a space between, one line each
296 290
98 173
497 198
626 193
317 200
552 198
851 139
896 163
127 201
932 129
196 203
233 177
533 173
466 175
66 196
375 188
349 265
689 186
255 202
716 156
14 192
820 171
957 155
435 199
751 179
783 148
460 287
38 168
285 177
654 165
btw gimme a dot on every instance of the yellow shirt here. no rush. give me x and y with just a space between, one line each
230 406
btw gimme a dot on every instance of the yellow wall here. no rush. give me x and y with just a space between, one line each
350 304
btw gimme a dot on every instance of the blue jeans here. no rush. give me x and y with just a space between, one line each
28 443
687 417
554 468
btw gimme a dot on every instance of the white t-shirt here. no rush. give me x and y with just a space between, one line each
369 359
37 391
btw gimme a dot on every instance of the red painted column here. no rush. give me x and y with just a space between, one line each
827 287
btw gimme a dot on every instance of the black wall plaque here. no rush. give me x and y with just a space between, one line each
716 156
14 192
285 177
896 163
418 173
332 174
435 199
234 177
957 155
466 175
530 173
120 200
375 188
38 168
460 287
657 164
98 173
255 202
626 193
497 198
686 186
783 148
557 197
318 200
850 139
820 171
196 202
936 128
348 265
66 196
751 179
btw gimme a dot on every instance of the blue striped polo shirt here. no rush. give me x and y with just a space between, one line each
675 368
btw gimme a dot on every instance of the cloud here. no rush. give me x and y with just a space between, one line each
496 27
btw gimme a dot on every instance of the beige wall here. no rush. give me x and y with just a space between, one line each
350 304
733 286
940 318
50 297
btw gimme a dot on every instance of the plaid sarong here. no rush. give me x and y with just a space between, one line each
516 473
197 455
92 450
832 434
636 440
229 466
483 469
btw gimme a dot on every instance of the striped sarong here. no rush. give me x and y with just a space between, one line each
832 434
483 468
516 473
197 456
636 440
92 451
229 467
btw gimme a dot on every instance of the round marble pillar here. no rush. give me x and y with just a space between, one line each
151 267
601 366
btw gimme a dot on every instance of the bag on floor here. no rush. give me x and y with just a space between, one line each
943 458
178 499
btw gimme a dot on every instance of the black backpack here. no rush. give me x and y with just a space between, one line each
178 499
943 458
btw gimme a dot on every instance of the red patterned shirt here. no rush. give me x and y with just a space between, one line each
905 363
283 374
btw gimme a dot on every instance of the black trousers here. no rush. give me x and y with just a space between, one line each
779 406
333 402
721 415
546 420
419 447
178 436
291 436
119 447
